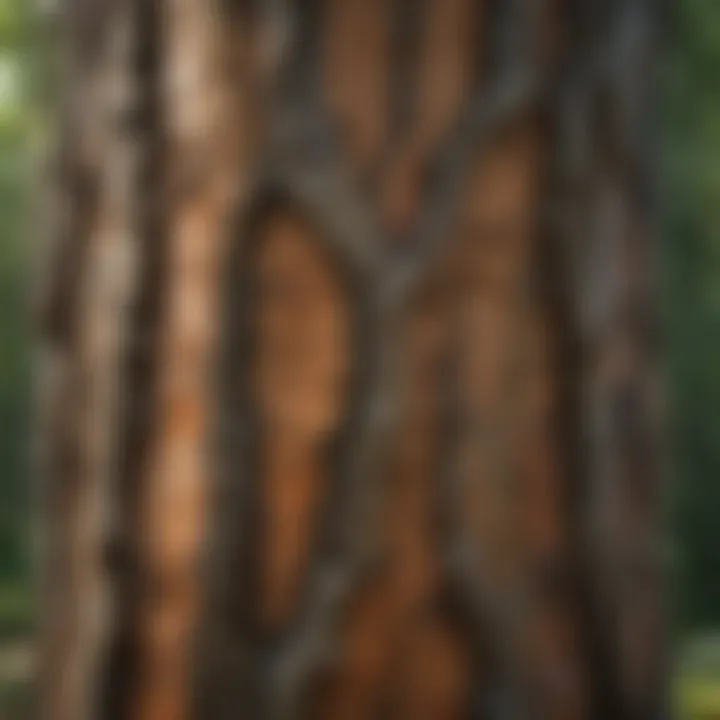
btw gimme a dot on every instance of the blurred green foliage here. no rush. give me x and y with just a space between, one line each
16 123
15 198
697 680
691 220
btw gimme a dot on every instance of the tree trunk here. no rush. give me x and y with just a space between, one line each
350 392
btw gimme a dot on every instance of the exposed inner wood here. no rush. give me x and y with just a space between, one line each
207 149
302 365
355 64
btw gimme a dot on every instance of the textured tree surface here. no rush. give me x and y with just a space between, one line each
349 386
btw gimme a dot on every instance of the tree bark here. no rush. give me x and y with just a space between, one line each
350 401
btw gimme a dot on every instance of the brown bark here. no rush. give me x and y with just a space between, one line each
351 301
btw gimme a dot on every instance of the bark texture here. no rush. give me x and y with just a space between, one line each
350 400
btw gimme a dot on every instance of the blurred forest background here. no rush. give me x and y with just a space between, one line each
689 166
